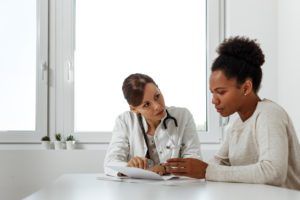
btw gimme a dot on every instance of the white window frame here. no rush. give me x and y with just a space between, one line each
62 58
13 136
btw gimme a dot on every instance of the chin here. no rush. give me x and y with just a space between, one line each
224 114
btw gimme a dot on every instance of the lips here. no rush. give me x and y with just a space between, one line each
160 113
219 110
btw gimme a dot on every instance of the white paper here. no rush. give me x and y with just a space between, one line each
171 182
134 172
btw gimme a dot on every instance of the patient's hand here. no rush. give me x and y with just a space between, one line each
159 169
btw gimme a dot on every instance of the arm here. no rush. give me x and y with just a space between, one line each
221 157
271 168
118 150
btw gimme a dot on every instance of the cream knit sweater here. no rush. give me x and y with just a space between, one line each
263 149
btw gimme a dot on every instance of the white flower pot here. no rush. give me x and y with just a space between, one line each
46 144
58 145
70 145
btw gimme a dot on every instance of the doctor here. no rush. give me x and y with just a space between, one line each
150 133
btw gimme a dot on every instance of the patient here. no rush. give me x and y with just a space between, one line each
261 146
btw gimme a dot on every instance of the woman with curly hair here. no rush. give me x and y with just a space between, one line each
261 145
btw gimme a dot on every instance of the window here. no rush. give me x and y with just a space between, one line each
23 64
162 38
93 46
105 41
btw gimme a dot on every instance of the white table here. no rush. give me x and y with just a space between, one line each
87 187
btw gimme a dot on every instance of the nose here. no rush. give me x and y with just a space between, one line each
156 105
215 100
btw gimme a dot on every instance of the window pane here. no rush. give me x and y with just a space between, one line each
165 39
17 64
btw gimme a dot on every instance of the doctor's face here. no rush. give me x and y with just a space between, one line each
227 95
153 104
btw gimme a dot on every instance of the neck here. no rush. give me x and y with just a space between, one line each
152 127
249 107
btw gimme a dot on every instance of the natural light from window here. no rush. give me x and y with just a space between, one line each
18 65
165 39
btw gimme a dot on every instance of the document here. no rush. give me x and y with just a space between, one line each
170 182
138 173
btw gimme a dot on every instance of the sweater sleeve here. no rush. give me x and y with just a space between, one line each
221 157
271 134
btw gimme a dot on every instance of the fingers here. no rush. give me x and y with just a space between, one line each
175 160
180 174
176 168
138 162
187 167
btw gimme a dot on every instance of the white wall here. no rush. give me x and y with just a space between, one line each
289 59
275 24
257 19
23 172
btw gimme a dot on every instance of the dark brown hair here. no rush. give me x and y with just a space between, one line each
240 58
134 86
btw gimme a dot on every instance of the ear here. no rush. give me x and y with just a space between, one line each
133 109
247 87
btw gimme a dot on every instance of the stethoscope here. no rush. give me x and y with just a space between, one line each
168 117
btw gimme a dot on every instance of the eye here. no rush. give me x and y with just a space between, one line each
146 105
221 92
157 96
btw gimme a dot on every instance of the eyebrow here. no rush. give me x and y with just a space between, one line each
147 101
219 88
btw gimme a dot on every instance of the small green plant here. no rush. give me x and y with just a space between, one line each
45 138
70 138
58 137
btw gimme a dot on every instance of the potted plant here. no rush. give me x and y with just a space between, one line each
58 141
46 142
70 142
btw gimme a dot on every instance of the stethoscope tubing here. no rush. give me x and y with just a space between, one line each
169 117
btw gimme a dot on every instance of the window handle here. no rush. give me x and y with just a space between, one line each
44 72
69 70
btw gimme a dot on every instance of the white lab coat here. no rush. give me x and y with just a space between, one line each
174 142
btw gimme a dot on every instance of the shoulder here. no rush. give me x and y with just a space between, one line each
269 111
268 107
126 117
183 115
178 111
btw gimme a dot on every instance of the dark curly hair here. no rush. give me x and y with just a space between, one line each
240 58
134 88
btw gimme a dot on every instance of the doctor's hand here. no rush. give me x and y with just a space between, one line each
159 169
190 167
138 162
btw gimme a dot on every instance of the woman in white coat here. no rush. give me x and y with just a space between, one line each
150 133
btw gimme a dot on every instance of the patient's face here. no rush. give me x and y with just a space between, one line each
227 96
